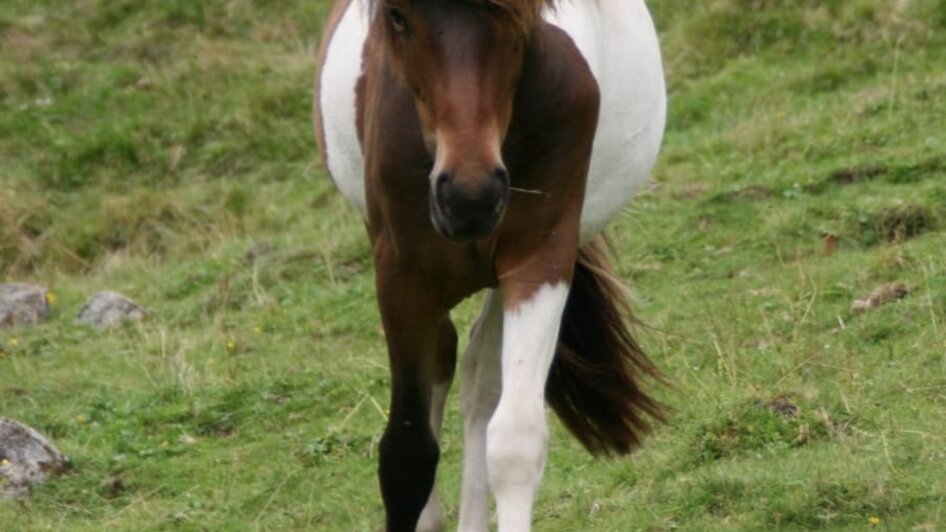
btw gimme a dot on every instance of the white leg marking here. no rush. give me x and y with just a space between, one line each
517 435
479 392
431 519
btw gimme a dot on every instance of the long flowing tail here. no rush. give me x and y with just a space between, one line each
596 382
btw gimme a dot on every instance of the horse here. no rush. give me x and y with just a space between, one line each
486 144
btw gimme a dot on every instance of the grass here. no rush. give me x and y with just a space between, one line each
163 149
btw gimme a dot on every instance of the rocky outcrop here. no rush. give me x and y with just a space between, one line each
22 304
109 309
26 458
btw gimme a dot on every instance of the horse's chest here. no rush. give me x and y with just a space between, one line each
617 40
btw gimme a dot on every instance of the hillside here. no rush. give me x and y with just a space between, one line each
163 149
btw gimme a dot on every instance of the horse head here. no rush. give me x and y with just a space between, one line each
461 61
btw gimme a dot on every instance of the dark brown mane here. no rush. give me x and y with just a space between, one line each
522 15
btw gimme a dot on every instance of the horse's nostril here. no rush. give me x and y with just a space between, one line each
501 174
462 209
441 180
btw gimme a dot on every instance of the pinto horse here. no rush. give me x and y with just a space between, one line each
487 143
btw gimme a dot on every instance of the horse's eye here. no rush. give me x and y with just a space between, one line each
397 19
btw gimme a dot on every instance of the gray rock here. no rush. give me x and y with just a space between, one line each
22 304
26 458
108 309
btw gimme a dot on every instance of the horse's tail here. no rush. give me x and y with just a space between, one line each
595 384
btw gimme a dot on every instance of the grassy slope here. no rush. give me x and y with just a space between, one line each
145 146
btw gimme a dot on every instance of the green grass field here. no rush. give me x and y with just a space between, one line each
163 149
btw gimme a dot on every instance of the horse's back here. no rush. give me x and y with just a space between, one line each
617 40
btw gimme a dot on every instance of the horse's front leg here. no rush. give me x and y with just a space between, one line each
431 519
534 291
414 328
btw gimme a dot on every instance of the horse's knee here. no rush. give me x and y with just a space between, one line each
409 456
516 446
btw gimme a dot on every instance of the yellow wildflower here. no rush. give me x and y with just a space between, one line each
258 329
80 419
231 345
873 520
50 298
14 342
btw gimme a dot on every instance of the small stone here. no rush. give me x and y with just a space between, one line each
22 304
26 458
109 309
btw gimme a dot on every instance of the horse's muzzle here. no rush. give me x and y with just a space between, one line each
463 211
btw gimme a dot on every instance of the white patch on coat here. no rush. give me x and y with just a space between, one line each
618 41
337 102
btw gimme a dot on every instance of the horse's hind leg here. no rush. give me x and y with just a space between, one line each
479 392
431 519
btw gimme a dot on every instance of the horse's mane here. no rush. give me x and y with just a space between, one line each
524 14
521 14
